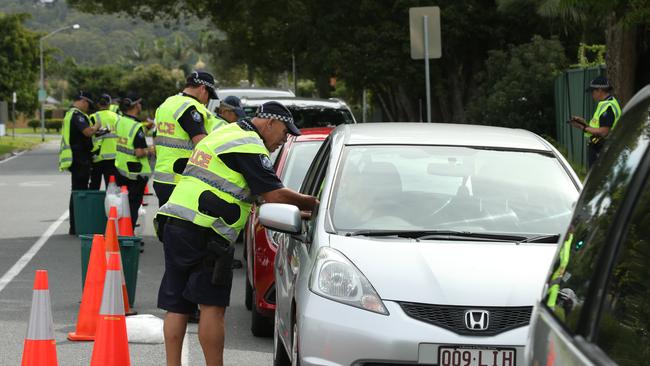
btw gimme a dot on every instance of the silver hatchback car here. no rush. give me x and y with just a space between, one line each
430 246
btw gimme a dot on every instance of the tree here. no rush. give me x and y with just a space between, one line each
97 80
153 83
620 24
19 59
516 88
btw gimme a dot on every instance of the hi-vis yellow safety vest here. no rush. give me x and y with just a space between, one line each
65 151
126 130
558 273
214 122
206 171
172 142
600 109
105 145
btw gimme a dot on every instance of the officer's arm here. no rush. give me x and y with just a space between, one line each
286 195
197 138
90 131
600 132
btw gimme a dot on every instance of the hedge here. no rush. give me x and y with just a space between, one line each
50 124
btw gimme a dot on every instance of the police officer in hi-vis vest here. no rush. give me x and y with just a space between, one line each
204 215
607 113
104 143
75 152
180 125
132 158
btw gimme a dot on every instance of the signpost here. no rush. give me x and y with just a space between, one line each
14 99
424 24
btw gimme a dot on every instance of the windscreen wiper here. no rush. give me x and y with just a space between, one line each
454 235
399 233
548 238
437 234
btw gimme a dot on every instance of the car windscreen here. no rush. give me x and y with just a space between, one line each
300 156
314 116
411 187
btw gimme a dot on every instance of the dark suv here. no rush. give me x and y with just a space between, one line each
307 112
595 309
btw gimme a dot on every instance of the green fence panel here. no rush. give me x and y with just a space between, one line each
571 99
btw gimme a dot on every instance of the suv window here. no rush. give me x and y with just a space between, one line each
624 328
576 269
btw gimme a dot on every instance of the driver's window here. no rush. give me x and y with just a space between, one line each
314 182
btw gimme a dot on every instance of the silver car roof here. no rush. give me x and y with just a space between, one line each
404 133
296 102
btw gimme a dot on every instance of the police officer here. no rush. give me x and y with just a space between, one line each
180 124
205 213
607 113
132 162
230 109
75 152
104 142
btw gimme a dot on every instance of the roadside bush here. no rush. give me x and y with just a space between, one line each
53 124
34 123
516 90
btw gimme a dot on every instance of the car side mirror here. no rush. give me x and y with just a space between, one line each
281 217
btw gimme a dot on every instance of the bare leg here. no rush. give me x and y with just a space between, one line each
174 330
211 334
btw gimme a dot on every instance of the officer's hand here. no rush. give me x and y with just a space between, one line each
152 150
578 119
305 215
577 124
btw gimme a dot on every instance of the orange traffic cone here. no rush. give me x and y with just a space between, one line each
125 223
111 343
92 295
113 246
40 346
146 190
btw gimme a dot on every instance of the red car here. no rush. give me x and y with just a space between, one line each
291 165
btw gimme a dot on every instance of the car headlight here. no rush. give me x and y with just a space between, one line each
336 278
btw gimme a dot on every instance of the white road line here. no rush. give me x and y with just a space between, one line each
24 260
12 157
185 352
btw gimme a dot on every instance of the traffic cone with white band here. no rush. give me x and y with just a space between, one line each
40 347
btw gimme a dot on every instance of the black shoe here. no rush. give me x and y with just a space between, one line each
71 231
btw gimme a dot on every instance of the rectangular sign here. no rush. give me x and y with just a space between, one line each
457 356
416 25
42 95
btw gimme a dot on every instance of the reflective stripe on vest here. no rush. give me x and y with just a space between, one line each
183 213
126 129
206 174
601 108
172 142
65 151
106 144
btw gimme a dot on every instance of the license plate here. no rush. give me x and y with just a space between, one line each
467 356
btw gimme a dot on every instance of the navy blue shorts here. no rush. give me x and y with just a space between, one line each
187 281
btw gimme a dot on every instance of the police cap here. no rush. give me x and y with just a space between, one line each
203 78
599 82
275 110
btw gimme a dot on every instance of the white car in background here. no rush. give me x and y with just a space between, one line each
430 246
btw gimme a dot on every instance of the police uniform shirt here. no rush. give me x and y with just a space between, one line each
192 121
80 144
139 142
607 118
257 169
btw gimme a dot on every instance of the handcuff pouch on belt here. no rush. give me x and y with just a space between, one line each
220 260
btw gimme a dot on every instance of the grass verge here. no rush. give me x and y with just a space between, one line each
9 144
29 130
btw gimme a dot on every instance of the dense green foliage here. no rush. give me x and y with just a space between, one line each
517 86
19 59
